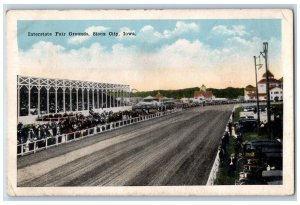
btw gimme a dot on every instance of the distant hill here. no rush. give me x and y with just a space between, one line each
229 92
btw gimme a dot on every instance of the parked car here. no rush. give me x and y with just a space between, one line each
247 125
263 149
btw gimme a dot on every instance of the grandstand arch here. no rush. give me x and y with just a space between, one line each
43 100
67 101
24 101
80 99
60 100
91 99
52 100
34 100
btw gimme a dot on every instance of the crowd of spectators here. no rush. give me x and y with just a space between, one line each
51 125
249 156
67 123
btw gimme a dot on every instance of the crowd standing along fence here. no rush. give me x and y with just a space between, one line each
215 168
38 145
32 147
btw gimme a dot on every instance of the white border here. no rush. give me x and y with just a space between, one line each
12 64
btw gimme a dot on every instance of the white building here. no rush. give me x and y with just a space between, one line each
203 95
250 91
262 85
186 100
276 94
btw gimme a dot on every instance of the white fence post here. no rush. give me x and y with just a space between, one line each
26 147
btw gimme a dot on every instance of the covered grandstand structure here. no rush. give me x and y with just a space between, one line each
38 96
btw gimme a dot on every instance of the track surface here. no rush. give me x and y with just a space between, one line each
178 149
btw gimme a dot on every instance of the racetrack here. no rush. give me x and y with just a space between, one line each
177 149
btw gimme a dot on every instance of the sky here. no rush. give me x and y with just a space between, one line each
162 54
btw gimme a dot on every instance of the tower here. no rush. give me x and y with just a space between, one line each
203 88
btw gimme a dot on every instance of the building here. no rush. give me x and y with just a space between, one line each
276 94
277 85
185 100
250 93
39 96
157 100
149 99
203 95
262 85
163 99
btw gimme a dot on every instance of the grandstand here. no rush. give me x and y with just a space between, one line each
41 96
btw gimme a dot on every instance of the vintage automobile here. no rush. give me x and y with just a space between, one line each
246 125
263 149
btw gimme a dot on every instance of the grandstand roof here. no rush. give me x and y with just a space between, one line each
52 82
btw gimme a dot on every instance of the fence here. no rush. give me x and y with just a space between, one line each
215 168
32 147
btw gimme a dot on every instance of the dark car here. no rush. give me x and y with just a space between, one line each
247 125
266 148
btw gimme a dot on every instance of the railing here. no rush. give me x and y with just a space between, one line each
215 168
38 145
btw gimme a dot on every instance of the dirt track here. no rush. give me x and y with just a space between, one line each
178 149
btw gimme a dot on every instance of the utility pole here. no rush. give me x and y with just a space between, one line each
257 97
265 55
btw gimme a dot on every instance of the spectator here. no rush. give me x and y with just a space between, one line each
230 128
67 123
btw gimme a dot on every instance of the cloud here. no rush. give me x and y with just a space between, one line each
180 64
195 54
236 40
253 46
235 30
43 49
48 59
150 35
89 30
180 28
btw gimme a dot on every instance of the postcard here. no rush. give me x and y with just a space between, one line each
150 102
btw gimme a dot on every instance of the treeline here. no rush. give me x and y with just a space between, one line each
176 94
229 93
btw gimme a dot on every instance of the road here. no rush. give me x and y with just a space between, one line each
178 149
